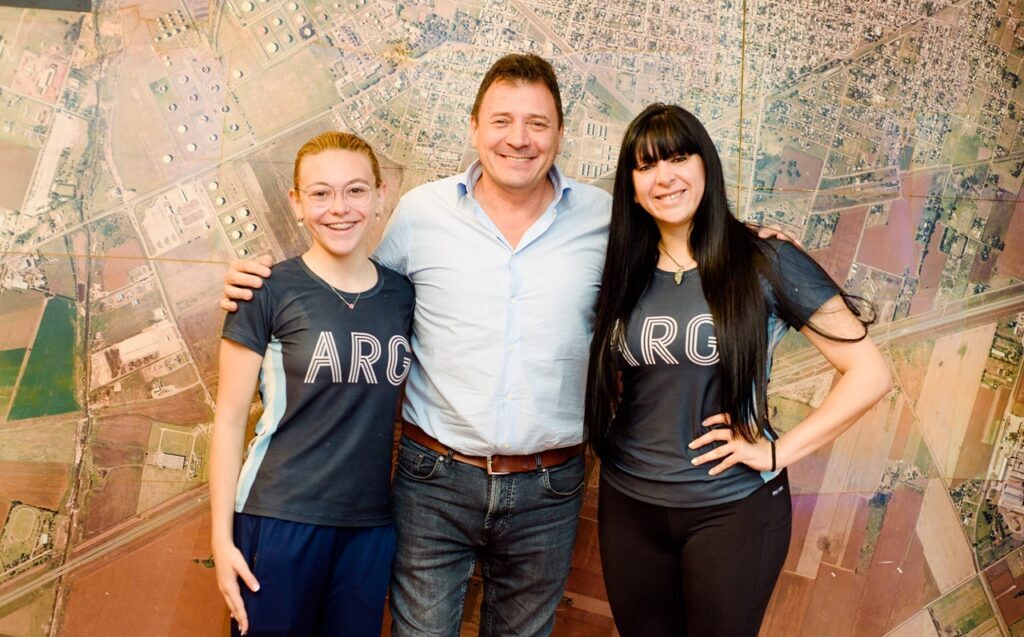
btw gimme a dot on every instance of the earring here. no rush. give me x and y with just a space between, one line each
298 222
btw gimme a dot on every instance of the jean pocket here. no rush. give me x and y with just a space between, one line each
418 464
565 480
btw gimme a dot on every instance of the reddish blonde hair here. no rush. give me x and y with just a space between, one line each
337 140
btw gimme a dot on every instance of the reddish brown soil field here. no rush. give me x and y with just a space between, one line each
128 429
858 531
1006 590
883 576
842 603
113 502
16 165
838 257
898 530
40 484
80 247
914 187
1012 260
153 588
981 271
916 585
118 262
833 606
975 454
810 170
202 330
891 246
187 408
118 449
21 314
931 272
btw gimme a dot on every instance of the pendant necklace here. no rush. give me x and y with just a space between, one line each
678 276
330 287
351 305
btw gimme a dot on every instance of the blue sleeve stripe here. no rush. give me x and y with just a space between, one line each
275 397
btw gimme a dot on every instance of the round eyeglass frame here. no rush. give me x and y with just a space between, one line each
356 202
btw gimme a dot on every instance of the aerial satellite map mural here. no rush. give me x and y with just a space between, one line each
145 145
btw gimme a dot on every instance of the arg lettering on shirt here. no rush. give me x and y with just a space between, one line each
366 351
658 333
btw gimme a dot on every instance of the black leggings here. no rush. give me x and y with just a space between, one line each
693 572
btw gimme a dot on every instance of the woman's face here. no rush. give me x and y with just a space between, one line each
337 221
670 190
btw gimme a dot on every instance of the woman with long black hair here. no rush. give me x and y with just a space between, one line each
694 512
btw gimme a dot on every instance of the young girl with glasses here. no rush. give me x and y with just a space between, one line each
302 532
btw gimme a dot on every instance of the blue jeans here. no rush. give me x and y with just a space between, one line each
520 526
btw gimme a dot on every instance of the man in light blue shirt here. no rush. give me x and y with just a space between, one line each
501 332
506 260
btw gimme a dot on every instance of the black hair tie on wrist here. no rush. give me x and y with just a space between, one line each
772 442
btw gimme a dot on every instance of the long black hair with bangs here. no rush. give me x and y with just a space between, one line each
732 262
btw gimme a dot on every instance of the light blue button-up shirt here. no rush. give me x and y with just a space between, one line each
500 334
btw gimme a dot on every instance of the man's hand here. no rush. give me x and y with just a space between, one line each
770 232
241 278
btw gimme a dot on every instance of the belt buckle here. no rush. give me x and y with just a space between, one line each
491 471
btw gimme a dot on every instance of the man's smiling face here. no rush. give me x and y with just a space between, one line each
517 136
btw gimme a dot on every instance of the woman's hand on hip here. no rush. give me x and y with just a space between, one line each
735 450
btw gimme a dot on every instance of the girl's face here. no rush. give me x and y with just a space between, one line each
670 190
337 200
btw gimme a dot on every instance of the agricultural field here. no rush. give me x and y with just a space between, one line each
49 384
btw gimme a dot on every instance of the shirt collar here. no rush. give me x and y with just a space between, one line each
468 179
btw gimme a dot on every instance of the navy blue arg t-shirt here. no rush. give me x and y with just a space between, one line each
330 383
669 362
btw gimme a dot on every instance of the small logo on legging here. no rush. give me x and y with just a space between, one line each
778 491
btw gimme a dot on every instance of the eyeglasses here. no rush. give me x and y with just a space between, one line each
321 196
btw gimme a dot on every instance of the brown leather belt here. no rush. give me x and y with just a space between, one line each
495 465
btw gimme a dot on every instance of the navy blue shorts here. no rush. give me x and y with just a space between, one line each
314 580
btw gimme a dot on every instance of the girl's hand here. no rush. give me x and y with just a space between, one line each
757 455
231 567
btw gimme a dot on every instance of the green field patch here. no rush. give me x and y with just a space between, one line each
963 610
6 393
963 148
10 365
48 386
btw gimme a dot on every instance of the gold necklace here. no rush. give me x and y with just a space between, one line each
678 276
351 305
330 287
